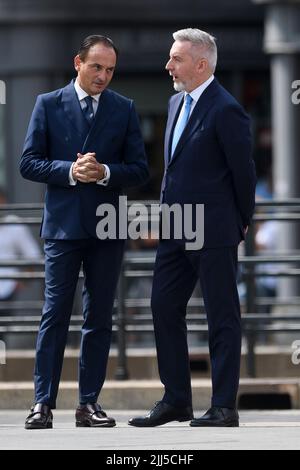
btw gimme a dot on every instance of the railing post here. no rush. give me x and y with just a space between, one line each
250 302
122 370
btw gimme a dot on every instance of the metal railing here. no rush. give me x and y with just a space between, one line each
142 267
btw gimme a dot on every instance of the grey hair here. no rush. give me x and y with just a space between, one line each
203 39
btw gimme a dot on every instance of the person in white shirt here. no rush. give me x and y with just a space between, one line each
16 241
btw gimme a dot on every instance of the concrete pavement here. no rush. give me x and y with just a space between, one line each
271 430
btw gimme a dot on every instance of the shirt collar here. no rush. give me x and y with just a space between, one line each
195 94
83 94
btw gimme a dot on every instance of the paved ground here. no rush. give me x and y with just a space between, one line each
258 430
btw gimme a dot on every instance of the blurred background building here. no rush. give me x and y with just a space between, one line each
39 38
259 58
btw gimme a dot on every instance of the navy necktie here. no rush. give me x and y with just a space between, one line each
88 111
182 122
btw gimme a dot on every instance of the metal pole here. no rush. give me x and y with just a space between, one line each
122 370
250 303
282 43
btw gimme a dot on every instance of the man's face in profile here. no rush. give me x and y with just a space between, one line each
186 66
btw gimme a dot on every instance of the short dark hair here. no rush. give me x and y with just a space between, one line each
90 41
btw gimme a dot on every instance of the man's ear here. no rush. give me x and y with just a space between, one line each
77 63
202 65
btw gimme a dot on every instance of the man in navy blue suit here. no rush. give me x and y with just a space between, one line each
85 143
207 162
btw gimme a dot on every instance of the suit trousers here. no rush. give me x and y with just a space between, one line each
101 262
175 276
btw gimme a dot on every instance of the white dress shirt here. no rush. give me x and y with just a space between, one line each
81 96
195 94
16 242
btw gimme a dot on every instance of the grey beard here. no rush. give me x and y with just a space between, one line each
179 86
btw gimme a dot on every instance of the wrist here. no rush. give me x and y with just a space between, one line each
74 172
104 173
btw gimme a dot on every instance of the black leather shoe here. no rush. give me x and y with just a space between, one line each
91 415
162 413
218 417
40 417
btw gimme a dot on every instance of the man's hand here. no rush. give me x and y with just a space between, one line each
86 168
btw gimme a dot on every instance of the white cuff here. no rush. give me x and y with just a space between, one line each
105 180
72 182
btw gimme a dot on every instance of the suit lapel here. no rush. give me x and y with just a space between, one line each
202 107
73 111
172 120
105 110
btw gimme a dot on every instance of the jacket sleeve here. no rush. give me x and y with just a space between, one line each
35 164
233 128
133 170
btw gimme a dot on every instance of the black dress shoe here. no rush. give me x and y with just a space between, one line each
91 415
40 417
218 417
162 413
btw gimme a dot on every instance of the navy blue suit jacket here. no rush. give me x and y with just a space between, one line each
212 165
57 132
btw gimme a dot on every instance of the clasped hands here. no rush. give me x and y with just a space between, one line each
86 169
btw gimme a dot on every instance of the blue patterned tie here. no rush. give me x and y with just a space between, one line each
89 110
182 122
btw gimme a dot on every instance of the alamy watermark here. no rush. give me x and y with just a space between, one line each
296 94
177 221
2 353
2 92
296 353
